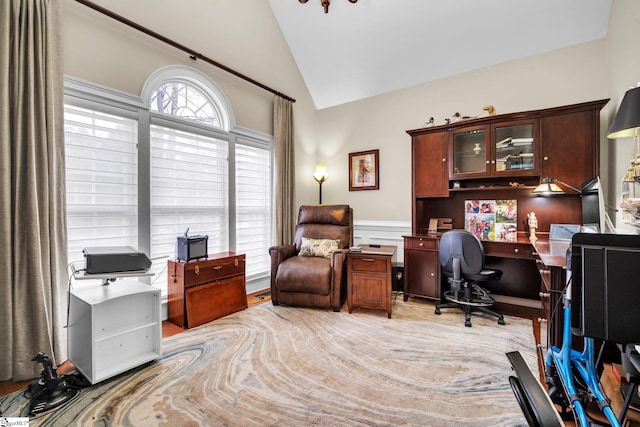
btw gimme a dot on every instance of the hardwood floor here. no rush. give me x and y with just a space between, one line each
168 329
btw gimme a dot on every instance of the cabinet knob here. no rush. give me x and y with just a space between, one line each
196 269
544 294
493 162
487 162
541 320
421 244
217 267
545 158
516 250
433 274
444 160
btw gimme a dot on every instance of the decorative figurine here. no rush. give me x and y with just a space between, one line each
457 117
429 123
533 224
490 109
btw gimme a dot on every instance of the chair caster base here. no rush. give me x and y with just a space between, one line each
468 309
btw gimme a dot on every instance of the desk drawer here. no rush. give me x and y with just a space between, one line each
369 264
507 249
421 243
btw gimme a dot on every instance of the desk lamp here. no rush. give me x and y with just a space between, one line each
549 187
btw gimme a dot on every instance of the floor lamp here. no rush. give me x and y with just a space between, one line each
320 175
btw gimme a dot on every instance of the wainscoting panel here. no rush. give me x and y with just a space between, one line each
382 233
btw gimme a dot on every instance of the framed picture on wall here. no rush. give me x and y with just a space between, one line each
363 170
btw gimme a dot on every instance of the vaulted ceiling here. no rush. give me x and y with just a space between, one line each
375 46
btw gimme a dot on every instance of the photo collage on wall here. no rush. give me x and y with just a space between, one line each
491 219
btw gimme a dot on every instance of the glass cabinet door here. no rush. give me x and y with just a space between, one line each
514 148
469 152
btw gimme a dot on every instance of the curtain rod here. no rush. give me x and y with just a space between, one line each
192 54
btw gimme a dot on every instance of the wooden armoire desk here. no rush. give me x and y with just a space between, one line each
493 158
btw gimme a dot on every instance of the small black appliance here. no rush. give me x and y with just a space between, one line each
192 247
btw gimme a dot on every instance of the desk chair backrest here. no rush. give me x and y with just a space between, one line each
458 246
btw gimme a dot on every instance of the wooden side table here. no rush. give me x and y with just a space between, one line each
369 278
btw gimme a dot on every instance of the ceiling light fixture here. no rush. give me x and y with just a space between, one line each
325 3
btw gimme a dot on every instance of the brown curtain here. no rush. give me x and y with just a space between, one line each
32 202
285 170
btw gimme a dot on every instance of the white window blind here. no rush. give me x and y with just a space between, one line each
253 206
101 180
189 189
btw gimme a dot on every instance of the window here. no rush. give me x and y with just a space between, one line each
189 189
253 205
101 180
141 171
183 100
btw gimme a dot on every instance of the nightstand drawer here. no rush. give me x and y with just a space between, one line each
369 264
421 243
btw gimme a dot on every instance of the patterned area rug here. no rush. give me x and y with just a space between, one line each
285 366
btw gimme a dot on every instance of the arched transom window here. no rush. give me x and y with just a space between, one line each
183 100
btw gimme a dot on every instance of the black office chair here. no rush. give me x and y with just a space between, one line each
462 259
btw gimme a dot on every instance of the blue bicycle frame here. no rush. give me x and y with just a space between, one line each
566 358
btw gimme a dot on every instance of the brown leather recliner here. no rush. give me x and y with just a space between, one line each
313 281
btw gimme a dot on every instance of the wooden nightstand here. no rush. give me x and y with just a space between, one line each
369 278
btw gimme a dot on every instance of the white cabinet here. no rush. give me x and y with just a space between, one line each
113 328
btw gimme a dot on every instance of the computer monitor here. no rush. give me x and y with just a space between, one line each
605 289
593 213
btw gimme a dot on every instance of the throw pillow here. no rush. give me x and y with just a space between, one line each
318 247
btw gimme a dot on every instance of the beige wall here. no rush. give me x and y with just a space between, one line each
244 35
561 77
624 71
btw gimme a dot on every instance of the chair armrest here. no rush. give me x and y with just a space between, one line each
338 257
281 252
338 279
278 254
